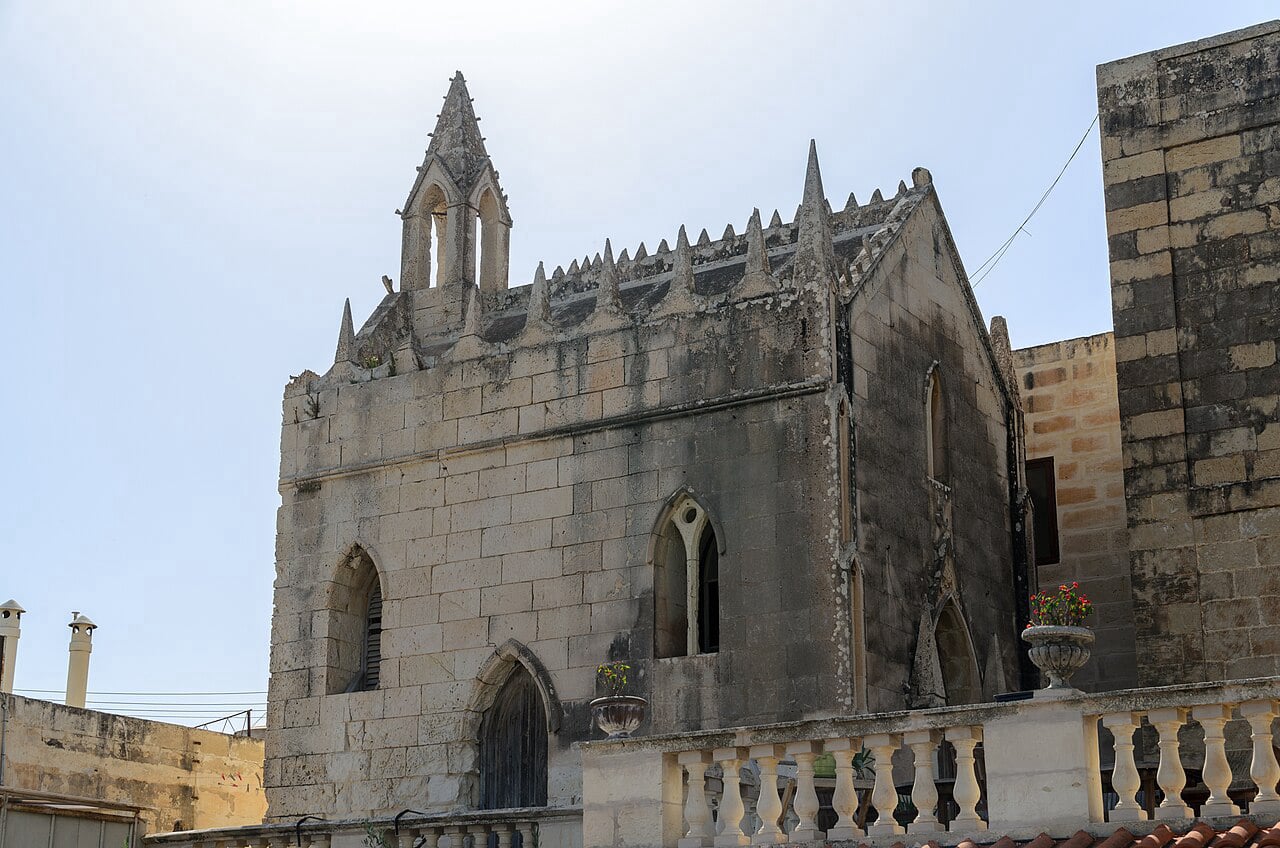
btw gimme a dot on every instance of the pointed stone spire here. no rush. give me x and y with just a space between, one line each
346 336
608 296
757 279
557 274
663 247
457 140
623 258
597 262
539 314
828 205
729 234
815 255
703 238
775 221
641 253
851 203
877 197
573 267
680 299
902 188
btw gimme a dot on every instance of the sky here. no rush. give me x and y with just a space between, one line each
190 190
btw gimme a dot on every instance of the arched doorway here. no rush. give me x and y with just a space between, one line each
513 746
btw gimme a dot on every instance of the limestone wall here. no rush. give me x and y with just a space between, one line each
183 778
1072 415
1191 149
915 317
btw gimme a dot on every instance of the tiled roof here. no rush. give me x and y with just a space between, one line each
1244 834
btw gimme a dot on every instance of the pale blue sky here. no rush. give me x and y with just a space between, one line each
191 189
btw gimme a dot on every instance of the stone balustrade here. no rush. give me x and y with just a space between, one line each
550 827
1020 768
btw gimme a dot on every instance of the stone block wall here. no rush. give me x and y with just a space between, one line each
183 778
1072 414
1191 162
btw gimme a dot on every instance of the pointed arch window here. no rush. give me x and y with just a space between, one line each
353 642
494 242
936 424
513 747
957 665
686 583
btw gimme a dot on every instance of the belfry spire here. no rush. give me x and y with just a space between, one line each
457 140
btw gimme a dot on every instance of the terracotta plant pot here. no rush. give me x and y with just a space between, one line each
618 715
1059 651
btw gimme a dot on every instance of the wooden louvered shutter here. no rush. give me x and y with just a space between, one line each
373 639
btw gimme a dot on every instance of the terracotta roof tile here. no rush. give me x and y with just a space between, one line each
1237 836
1080 839
1158 838
1120 839
1044 840
1197 837
1269 838
1004 842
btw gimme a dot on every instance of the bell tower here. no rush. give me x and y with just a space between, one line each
456 223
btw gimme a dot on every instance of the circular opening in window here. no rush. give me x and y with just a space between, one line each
690 515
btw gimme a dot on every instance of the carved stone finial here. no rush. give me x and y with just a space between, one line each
920 177
877 197
680 299
729 234
539 314
609 296
641 253
346 336
851 203
573 267
902 188
623 258
775 221
663 247
703 238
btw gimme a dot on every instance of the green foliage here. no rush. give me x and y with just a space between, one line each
374 839
613 675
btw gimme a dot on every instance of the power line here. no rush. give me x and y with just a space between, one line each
158 694
994 259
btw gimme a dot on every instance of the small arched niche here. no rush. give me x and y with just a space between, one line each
685 553
495 235
936 426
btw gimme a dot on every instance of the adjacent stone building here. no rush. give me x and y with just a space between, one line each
1191 160
778 472
1075 474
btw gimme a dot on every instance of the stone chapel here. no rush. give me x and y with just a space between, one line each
778 472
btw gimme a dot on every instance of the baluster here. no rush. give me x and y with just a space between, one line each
1124 779
1217 771
1264 770
731 808
697 813
845 799
924 791
525 829
456 836
806 799
966 792
1170 775
769 803
504 835
884 796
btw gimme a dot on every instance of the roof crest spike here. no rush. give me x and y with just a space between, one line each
757 280
775 221
663 247
812 177
902 187
346 336
877 197
729 234
623 258
703 238
682 268
573 267
641 253
539 314
851 203
815 254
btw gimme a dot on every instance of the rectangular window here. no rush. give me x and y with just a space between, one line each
1044 500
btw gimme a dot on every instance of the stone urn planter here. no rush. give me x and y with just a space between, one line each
619 715
1059 651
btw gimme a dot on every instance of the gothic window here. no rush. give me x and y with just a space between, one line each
492 241
432 223
844 440
937 427
353 646
513 746
686 561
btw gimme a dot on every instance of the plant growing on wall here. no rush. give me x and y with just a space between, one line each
1068 607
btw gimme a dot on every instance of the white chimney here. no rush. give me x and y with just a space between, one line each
10 630
78 667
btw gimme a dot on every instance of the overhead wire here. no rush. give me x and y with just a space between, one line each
979 274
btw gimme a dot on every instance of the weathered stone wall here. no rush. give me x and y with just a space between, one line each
1072 414
915 312
1191 150
183 778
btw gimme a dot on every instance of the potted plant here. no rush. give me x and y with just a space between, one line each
618 715
1060 642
